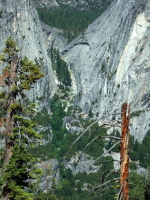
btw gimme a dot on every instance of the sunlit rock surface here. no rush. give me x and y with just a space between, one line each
111 63
19 19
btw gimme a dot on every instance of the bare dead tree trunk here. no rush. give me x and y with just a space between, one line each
9 124
124 153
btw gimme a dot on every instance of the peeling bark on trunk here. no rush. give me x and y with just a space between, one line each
9 124
124 153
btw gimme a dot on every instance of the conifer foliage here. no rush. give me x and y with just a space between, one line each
61 67
19 75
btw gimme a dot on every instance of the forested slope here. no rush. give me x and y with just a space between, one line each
72 20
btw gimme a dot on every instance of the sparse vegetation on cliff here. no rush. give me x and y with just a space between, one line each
19 74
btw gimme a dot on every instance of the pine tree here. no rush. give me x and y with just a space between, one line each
19 75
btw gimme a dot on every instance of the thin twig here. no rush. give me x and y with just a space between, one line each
107 151
108 161
81 136
113 169
117 138
90 126
118 197
107 182
105 124
110 172
100 194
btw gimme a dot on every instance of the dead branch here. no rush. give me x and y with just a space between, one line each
81 136
90 126
105 124
108 161
103 184
110 172
117 138
113 137
118 196
101 193
107 151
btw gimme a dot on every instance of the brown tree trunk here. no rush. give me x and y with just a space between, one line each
9 124
124 153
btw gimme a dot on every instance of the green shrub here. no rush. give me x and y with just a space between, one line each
132 166
42 118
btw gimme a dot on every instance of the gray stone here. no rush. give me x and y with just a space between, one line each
19 19
84 165
111 63
78 4
54 36
51 173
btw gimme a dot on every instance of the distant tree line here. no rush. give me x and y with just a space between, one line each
71 21
141 151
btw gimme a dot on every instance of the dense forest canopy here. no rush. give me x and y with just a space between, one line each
72 21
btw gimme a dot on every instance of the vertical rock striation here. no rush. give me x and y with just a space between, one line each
19 19
111 63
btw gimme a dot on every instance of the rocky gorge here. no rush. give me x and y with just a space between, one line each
109 65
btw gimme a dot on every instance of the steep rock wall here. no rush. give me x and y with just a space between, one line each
19 19
111 63
53 36
79 4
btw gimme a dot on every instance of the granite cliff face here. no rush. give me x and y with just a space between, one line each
111 63
77 4
19 19
53 36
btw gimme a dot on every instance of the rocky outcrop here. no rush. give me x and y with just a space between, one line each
51 174
46 3
77 4
19 19
53 36
86 164
111 63
72 125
